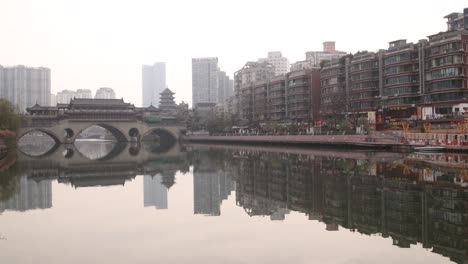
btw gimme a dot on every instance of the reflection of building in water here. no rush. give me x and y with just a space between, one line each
31 195
367 196
211 186
155 193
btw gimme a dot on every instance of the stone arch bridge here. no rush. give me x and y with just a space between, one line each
126 122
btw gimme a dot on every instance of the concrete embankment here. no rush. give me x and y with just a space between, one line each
349 141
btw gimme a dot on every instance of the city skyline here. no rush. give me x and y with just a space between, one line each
83 47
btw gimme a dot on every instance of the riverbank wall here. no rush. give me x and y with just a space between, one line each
373 141
343 141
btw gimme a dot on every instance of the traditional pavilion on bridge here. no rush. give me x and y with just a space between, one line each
105 109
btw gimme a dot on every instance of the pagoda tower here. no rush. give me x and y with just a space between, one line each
166 103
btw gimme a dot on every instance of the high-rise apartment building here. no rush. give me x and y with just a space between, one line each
244 81
64 96
205 76
83 93
329 53
276 59
105 93
153 83
406 82
457 21
25 86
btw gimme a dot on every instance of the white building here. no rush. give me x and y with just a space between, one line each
64 96
25 86
276 59
153 83
105 93
83 93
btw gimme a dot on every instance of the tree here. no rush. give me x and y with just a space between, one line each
9 119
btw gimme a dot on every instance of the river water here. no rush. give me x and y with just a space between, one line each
101 202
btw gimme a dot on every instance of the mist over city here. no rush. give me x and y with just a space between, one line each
233 131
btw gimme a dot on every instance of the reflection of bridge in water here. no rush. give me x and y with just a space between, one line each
67 163
126 122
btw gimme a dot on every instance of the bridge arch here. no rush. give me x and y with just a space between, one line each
117 133
164 138
51 134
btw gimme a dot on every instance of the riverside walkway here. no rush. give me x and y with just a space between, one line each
379 140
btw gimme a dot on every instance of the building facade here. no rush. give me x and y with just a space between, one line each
407 82
205 76
105 93
276 59
265 99
244 82
64 96
25 86
209 83
153 83
329 53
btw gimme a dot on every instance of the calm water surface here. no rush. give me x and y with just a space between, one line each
101 202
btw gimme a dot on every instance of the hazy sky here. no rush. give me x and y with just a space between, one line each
94 43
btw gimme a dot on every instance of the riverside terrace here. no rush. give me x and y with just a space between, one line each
126 122
394 140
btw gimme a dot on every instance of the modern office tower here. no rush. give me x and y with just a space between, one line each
276 59
153 83
64 96
205 80
105 93
244 81
328 54
25 86
155 193
31 194
167 104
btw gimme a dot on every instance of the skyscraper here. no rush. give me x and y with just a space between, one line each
204 80
25 86
153 83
